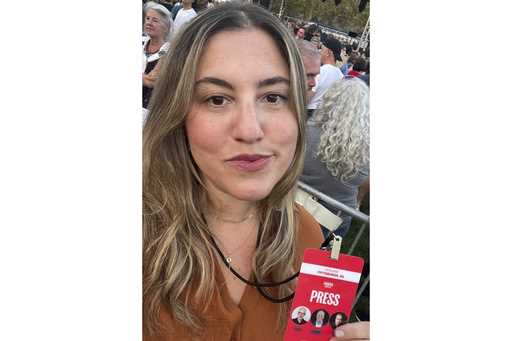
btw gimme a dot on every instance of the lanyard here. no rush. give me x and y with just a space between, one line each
332 242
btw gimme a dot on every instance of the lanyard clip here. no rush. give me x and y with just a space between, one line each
332 243
336 247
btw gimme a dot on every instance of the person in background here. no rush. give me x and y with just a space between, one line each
366 75
311 59
177 6
358 67
155 44
329 72
312 30
200 5
185 14
223 146
300 33
167 4
338 154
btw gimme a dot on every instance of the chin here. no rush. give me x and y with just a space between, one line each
253 196
253 193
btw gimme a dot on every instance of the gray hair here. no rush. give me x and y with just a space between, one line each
344 116
308 49
164 14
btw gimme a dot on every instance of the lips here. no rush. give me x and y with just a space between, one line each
249 162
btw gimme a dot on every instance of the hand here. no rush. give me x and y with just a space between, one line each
352 331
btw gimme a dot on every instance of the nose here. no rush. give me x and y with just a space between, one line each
311 82
247 125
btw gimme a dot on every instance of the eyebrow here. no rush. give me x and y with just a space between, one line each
225 84
272 81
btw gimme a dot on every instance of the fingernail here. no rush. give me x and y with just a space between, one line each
339 333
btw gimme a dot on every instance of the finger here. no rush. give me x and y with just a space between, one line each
353 331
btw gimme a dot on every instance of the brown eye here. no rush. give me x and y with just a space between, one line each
274 98
217 101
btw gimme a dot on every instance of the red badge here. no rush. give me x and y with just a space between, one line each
324 295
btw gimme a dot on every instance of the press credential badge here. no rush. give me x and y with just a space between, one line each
324 295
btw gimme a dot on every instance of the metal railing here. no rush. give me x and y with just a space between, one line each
334 203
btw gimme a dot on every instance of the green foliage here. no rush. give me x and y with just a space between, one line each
344 17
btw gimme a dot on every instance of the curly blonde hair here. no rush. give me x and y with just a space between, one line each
344 116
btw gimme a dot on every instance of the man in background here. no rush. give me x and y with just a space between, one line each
184 15
329 72
311 59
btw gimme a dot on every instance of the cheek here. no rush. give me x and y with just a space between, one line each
286 132
203 137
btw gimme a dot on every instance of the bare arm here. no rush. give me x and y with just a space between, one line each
149 79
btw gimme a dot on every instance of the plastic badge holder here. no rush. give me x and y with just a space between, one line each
324 295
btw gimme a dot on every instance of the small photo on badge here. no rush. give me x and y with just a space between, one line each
301 315
337 319
319 318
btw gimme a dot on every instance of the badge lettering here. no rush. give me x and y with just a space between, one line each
327 298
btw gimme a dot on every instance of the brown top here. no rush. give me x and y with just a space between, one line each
255 318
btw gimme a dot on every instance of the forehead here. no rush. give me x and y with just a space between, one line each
228 55
152 13
311 62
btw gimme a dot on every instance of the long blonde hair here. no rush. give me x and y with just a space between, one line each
177 247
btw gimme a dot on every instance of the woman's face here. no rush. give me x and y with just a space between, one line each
154 25
241 129
338 320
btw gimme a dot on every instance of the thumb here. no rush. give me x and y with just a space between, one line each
356 331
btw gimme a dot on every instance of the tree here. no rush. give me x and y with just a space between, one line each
344 17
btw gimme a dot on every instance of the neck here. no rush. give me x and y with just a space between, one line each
235 228
187 6
156 43
329 61
231 215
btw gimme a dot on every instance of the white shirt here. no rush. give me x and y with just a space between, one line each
145 58
328 75
183 16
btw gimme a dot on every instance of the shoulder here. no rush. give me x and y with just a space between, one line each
333 70
309 231
165 47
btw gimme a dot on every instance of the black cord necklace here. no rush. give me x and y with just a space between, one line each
259 286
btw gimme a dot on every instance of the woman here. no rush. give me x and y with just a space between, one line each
155 43
223 148
338 158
